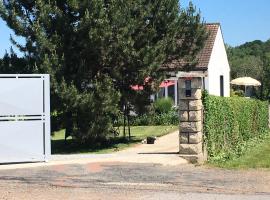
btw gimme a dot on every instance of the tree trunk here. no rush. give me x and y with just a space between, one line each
128 121
68 125
124 127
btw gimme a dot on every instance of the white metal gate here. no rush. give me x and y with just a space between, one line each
24 118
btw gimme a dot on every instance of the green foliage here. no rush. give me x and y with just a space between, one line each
169 118
161 112
237 93
141 102
80 42
230 123
60 146
256 156
252 59
92 112
12 64
163 105
142 120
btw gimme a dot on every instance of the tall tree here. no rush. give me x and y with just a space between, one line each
11 64
87 45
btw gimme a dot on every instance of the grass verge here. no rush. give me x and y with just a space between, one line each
256 157
138 133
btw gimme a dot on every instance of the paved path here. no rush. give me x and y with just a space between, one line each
168 144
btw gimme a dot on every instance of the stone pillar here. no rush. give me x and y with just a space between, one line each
191 119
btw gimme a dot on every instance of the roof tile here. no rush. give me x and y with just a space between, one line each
203 56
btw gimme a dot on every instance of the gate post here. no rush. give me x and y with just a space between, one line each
191 117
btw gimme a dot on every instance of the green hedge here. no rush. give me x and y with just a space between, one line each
230 123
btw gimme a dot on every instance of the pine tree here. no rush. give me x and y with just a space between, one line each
12 64
88 44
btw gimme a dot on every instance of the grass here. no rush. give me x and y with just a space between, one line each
138 133
256 157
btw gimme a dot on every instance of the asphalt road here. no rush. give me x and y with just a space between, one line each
149 172
118 180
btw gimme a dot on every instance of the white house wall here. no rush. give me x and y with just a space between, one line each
218 66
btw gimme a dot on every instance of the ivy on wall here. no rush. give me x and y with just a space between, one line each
230 123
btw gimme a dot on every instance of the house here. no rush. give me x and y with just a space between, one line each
212 61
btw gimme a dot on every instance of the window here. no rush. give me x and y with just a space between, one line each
171 92
188 88
222 86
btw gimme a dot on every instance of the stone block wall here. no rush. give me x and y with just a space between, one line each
191 120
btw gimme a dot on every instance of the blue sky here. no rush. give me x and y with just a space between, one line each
241 20
5 43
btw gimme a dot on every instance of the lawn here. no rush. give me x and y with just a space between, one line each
138 133
256 157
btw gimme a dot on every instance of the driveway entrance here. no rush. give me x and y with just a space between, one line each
164 152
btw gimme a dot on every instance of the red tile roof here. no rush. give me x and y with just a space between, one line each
203 56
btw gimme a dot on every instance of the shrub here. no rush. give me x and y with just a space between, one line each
163 105
230 123
237 93
143 120
170 118
161 112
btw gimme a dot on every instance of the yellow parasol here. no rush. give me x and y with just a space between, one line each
246 81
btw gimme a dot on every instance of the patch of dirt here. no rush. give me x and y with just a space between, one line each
94 167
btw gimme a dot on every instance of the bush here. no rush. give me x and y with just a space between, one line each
237 93
170 118
142 120
230 123
163 105
160 112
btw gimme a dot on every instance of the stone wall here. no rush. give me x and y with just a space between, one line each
191 120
